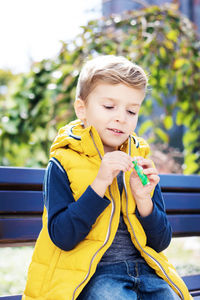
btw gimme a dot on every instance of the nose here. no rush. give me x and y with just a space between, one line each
120 116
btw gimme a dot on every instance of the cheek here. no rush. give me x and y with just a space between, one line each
94 111
93 117
133 123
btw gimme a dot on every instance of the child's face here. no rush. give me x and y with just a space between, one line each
113 110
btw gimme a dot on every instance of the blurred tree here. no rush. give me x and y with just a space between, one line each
160 39
190 8
7 80
5 77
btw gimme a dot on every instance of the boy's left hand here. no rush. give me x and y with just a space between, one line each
142 194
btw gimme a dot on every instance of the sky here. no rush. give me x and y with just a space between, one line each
31 29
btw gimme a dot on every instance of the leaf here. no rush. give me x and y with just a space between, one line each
179 118
191 168
168 122
179 81
147 125
190 137
163 52
172 35
11 127
162 135
169 45
163 81
191 164
179 62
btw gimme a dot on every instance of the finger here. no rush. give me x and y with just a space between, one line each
154 179
118 155
126 166
122 154
120 165
125 159
146 163
143 161
150 171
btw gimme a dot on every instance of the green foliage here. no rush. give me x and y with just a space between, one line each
160 39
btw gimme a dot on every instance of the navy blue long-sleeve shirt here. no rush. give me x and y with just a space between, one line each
70 221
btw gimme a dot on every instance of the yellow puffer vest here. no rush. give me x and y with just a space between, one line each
55 274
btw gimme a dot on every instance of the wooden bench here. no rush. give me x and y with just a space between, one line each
21 207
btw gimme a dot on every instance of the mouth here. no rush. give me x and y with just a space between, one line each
116 131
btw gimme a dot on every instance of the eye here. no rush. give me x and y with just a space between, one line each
131 112
108 106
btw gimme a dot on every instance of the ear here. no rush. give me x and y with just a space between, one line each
79 107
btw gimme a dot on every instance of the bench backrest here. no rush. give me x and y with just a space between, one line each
182 199
21 203
21 206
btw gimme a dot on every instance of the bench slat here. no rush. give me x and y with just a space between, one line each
180 182
19 230
196 295
185 225
22 176
182 201
21 201
27 229
192 281
16 297
13 175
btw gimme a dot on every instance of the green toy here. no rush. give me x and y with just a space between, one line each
144 179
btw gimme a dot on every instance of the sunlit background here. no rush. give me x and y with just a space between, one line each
31 30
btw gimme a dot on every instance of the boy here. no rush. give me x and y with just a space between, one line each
103 231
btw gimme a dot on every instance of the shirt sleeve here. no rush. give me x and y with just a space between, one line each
69 221
156 225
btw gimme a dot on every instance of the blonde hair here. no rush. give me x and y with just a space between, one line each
109 69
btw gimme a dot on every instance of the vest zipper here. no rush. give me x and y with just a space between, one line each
150 256
105 242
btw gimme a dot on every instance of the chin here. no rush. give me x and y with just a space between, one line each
113 147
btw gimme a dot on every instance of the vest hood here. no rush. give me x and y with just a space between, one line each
78 138
86 140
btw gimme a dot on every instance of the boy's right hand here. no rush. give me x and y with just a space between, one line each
112 163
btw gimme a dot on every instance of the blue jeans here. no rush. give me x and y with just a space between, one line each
127 280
